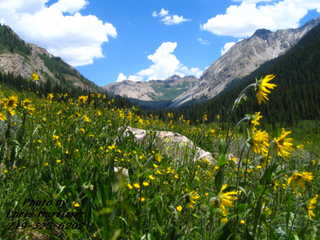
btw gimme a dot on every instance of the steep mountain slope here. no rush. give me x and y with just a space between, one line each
154 90
296 97
21 58
243 58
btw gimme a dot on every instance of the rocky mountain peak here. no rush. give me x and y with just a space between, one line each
262 33
174 77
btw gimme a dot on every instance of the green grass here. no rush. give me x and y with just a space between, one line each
68 152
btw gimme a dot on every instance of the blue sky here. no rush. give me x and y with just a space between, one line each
113 40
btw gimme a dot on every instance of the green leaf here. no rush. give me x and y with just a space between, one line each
219 179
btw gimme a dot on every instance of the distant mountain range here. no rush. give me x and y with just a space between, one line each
244 58
239 61
154 90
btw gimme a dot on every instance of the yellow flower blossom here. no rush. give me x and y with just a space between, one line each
310 207
224 199
283 144
35 77
262 88
179 208
83 99
2 116
86 118
26 103
50 96
259 142
300 178
254 121
191 197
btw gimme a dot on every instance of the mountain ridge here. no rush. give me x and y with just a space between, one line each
153 90
22 59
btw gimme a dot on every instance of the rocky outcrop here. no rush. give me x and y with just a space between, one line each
171 144
24 65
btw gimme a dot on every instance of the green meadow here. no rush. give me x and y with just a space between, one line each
67 172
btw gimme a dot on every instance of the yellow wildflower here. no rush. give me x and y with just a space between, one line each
35 77
254 121
50 96
300 178
10 103
2 116
82 99
262 88
86 118
136 185
26 103
191 197
179 208
259 142
224 199
310 207
283 144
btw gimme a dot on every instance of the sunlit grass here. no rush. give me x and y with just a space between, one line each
73 151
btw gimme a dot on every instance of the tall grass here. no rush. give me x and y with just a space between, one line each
67 173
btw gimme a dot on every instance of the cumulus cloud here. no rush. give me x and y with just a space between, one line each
164 65
121 77
226 47
169 19
60 28
243 20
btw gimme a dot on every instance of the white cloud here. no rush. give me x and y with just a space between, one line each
70 6
226 47
75 38
174 19
169 19
165 64
121 77
163 12
243 20
204 42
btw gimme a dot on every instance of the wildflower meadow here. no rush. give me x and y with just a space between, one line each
68 172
